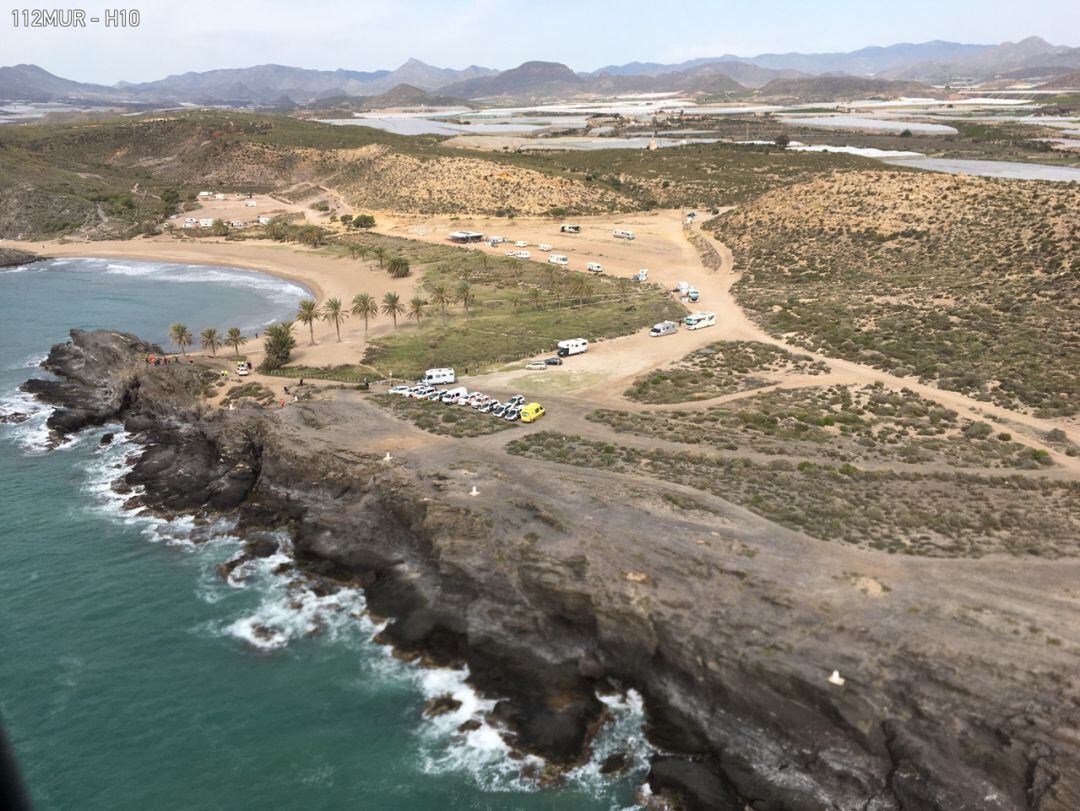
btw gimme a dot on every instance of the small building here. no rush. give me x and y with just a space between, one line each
466 237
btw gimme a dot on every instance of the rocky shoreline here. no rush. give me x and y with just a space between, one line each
11 257
539 586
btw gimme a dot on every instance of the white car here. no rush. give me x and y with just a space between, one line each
535 364
402 390
594 267
512 413
521 244
544 247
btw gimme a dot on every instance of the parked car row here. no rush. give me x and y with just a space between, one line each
513 409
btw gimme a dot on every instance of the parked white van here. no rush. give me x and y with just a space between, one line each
620 234
700 320
574 346
558 259
543 246
452 396
594 267
663 328
435 376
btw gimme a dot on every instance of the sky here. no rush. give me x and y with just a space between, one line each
183 35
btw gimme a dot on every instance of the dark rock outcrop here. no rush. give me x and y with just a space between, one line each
11 257
731 662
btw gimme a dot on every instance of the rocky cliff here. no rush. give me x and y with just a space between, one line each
556 582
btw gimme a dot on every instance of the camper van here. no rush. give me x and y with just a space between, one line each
436 376
594 267
641 276
574 346
693 294
558 259
570 229
452 396
664 328
620 234
682 288
543 246
700 320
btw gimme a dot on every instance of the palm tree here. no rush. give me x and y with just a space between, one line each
466 296
440 297
180 335
536 297
399 267
515 301
333 312
365 307
380 254
579 288
392 306
416 308
210 340
308 314
235 338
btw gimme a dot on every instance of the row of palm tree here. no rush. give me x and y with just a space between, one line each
210 338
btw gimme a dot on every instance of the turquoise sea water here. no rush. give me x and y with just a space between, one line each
131 675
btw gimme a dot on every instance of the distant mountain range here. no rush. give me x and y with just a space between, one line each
934 62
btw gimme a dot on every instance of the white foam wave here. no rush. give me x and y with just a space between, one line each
279 290
31 434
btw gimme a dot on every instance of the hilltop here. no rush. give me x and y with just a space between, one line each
833 88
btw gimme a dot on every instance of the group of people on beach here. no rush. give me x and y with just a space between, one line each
153 359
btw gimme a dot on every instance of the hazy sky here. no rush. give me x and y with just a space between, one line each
184 35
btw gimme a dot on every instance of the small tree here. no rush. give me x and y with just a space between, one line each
905 134
466 296
365 307
380 254
416 308
235 338
279 345
440 297
335 313
392 306
782 140
307 314
346 219
219 228
180 335
399 267
210 340
363 221
536 297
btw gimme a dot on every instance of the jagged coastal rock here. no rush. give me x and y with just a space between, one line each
528 585
11 257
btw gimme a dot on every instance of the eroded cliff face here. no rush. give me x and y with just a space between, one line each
555 582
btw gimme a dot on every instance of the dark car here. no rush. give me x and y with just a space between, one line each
553 361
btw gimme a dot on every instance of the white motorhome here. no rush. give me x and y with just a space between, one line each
594 267
574 346
435 376
618 233
543 246
558 259
700 320
663 328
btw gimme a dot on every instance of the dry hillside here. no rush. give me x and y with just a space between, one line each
969 282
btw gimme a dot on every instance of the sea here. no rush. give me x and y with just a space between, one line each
134 675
